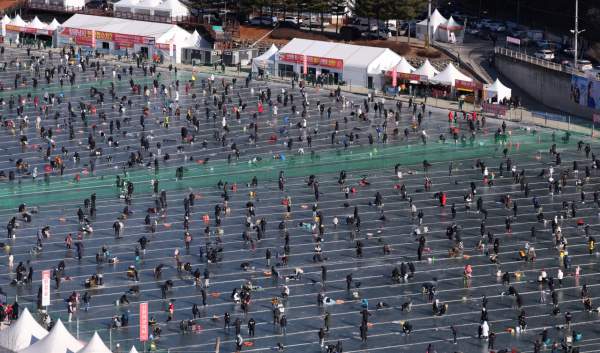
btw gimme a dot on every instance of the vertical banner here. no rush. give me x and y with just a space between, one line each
305 65
144 322
46 288
93 39
171 49
394 77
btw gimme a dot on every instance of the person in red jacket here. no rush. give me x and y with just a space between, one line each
171 311
443 199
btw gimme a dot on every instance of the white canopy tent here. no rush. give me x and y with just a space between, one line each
95 345
78 4
266 60
53 26
451 31
197 41
22 333
145 6
426 70
435 21
171 8
59 340
126 5
404 67
498 90
449 76
37 24
18 21
133 350
3 22
383 62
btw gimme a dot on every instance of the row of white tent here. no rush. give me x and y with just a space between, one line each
17 21
167 8
25 335
449 75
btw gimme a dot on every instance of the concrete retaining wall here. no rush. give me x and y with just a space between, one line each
550 87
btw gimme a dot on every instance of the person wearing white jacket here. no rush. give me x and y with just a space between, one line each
485 330
559 276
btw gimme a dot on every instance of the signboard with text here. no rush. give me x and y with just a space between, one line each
411 77
143 322
30 30
46 288
513 40
89 37
467 85
312 60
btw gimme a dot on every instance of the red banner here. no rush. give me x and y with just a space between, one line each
143 322
46 288
312 60
411 77
19 29
467 85
495 109
79 36
88 37
305 65
394 77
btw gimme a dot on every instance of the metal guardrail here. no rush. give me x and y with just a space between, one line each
164 19
535 61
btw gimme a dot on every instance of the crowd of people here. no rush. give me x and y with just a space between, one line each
394 237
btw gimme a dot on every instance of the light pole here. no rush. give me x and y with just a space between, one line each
576 33
428 39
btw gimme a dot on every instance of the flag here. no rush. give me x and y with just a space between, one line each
143 322
305 65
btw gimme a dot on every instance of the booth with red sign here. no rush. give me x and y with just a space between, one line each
407 83
335 63
160 41
106 41
311 66
469 91
19 31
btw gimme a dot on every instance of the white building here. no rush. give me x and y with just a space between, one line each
158 8
355 65
72 4
117 35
